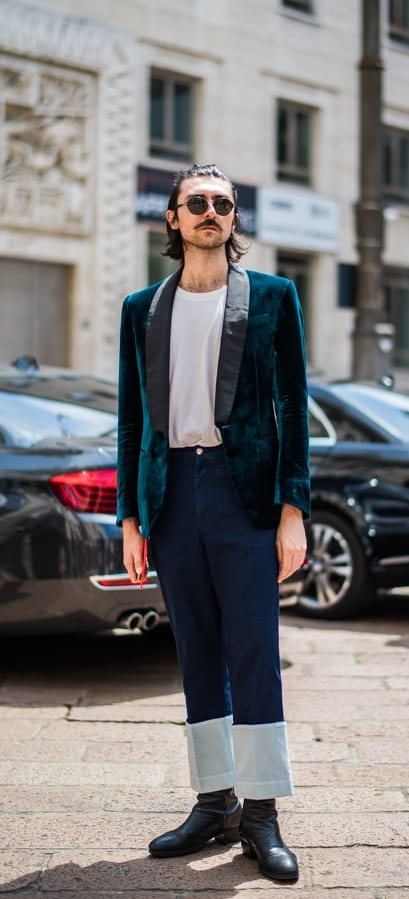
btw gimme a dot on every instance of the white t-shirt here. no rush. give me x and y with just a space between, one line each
197 322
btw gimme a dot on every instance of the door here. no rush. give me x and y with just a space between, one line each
34 311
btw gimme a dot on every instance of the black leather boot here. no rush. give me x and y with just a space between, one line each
261 839
215 816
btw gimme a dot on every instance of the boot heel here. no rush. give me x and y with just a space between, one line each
247 849
232 835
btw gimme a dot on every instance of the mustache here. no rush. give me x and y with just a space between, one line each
206 225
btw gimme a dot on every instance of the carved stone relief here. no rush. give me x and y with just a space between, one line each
67 149
47 144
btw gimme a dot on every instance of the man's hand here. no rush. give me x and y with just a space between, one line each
133 548
291 542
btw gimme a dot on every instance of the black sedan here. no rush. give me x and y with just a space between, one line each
359 528
60 550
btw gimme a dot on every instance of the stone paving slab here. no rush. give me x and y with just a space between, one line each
359 867
20 869
39 750
124 799
81 773
218 893
129 711
351 733
343 800
378 776
29 711
48 832
92 768
103 731
46 798
121 870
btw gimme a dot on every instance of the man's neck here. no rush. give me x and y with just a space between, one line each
203 274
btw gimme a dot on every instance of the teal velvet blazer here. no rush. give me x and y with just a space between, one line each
260 405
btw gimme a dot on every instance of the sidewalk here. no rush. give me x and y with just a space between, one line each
93 765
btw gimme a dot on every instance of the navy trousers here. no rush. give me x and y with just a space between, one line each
218 575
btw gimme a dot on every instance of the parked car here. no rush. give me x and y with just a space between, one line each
60 550
359 529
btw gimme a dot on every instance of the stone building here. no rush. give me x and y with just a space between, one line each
100 103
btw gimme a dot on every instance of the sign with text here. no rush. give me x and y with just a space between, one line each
299 220
153 189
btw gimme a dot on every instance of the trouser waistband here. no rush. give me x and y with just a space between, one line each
197 450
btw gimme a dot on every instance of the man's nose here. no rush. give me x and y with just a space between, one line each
210 208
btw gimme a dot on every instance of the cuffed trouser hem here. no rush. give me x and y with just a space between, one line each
210 754
262 760
259 767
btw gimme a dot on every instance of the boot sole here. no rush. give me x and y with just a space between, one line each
250 852
229 836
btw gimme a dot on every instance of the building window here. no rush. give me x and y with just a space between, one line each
347 278
294 134
396 165
159 266
171 117
399 20
299 5
298 269
397 303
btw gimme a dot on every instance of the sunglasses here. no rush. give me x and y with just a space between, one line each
198 205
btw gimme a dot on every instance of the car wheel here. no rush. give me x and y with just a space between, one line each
336 582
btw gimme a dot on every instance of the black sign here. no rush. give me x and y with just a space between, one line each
155 185
247 208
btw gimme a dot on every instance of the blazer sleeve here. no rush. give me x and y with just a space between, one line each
291 405
129 421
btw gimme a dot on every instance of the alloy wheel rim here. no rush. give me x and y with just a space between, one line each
329 575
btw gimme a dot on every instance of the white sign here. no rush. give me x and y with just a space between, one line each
304 221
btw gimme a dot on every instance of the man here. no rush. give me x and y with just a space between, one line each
213 468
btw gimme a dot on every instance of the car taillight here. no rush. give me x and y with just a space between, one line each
87 491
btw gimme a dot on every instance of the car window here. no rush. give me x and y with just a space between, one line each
28 420
347 428
321 430
389 410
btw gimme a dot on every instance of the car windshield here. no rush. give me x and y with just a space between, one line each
28 420
389 410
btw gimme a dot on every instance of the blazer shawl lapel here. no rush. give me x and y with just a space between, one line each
157 347
157 351
232 342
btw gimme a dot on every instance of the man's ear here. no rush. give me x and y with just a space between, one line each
172 219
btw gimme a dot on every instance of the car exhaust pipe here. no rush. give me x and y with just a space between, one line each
132 621
139 621
150 620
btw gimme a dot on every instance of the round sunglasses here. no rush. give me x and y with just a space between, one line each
198 205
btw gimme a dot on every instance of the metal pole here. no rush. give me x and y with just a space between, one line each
373 334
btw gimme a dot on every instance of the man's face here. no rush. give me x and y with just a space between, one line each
208 230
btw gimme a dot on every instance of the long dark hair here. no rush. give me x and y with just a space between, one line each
235 247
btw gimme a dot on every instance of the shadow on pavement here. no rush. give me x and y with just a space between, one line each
106 669
95 669
188 875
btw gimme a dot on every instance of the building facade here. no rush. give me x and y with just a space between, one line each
101 103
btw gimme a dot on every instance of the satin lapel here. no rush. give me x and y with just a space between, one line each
232 342
157 349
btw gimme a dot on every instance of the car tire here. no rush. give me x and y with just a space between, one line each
336 583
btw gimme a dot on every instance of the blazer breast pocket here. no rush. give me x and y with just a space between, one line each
255 321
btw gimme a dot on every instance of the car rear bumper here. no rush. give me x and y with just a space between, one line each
73 605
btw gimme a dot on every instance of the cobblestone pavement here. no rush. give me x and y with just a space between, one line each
93 765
